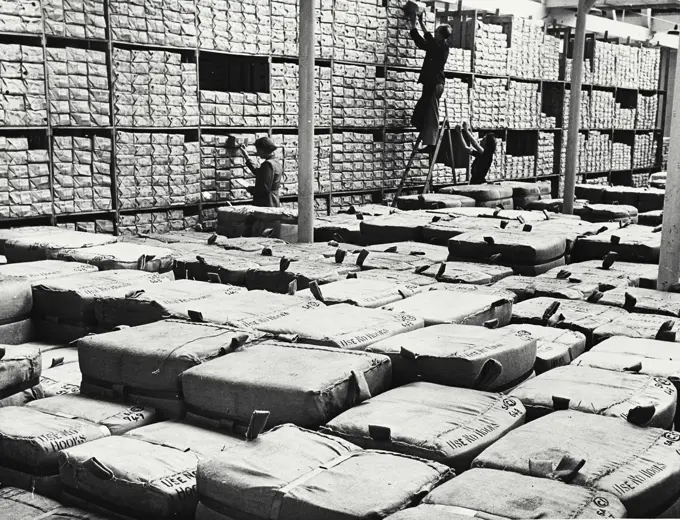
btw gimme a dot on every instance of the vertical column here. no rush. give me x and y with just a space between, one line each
306 122
571 164
669 259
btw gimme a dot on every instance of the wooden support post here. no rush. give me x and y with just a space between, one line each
669 258
306 122
575 106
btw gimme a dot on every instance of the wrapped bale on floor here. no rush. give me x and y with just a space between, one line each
144 364
430 252
20 370
554 347
485 195
219 266
343 326
361 292
640 466
33 247
33 435
490 493
398 227
25 232
17 302
441 230
461 355
64 307
638 275
153 303
467 272
646 301
149 472
452 306
253 221
396 277
631 244
61 371
19 504
527 287
301 384
527 253
303 474
120 255
606 213
448 425
367 260
635 325
575 315
342 227
651 218
434 201
287 276
641 399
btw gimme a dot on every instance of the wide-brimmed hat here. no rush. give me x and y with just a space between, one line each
265 144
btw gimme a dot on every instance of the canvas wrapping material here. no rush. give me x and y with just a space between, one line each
639 275
271 278
441 231
449 306
346 227
220 265
120 256
527 287
39 247
632 243
32 436
604 279
515 248
634 325
65 306
343 326
28 231
646 301
504 494
152 470
606 212
433 201
133 308
18 332
455 355
248 309
463 289
248 244
143 364
554 347
397 277
468 272
20 369
485 195
640 466
391 261
591 390
363 293
60 380
447 425
300 384
397 227
429 252
572 314
247 221
18 504
290 473
494 213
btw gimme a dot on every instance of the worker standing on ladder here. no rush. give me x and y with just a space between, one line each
426 114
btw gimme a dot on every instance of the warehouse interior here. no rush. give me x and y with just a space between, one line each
339 259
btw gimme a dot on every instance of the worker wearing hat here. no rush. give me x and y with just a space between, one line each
267 176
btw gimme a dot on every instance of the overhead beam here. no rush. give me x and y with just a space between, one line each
615 4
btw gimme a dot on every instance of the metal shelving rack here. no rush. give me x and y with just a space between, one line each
378 193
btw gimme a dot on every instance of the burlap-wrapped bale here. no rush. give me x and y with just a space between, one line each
635 325
343 326
442 230
244 244
489 493
362 292
346 228
644 400
606 213
219 266
29 248
575 315
300 384
448 425
20 369
494 213
524 193
17 296
462 289
632 244
434 201
450 306
64 307
149 472
153 303
646 301
527 287
461 355
253 221
143 364
640 466
467 272
485 195
397 227
638 275
32 436
430 252
120 255
301 474
61 372
528 253
367 260
247 310
554 347
397 277
644 199
591 192
23 232
19 504
651 218
279 277
606 279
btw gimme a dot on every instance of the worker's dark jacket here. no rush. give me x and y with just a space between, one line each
267 183
436 54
